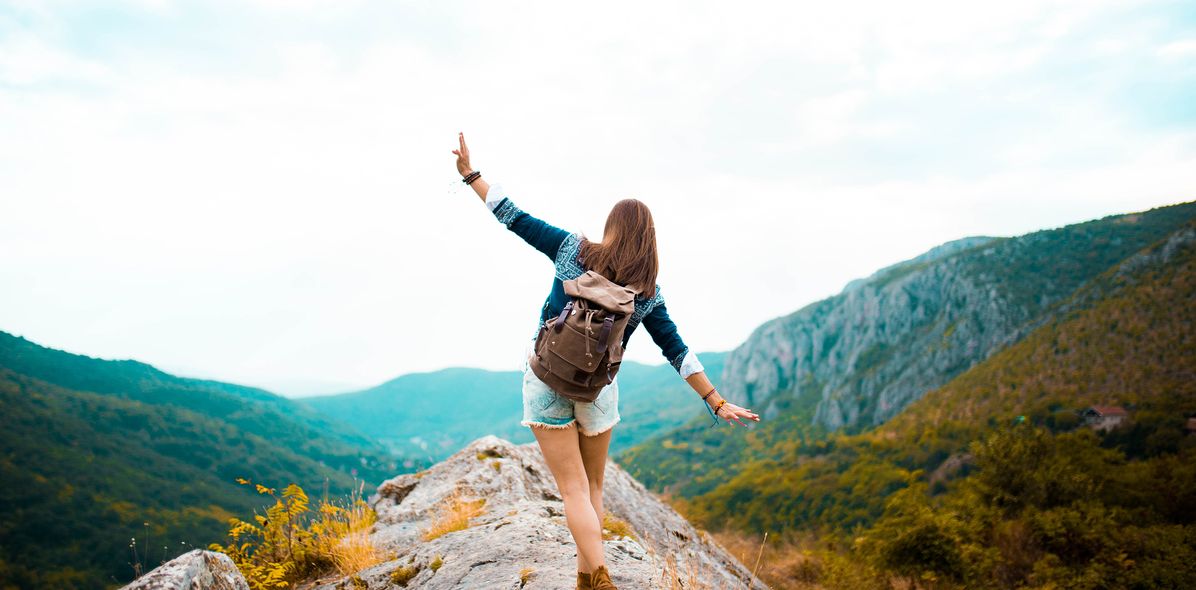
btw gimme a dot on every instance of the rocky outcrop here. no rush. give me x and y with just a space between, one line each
194 570
517 539
520 539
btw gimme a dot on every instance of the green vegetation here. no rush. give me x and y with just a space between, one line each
85 471
403 574
289 424
991 481
290 544
1045 511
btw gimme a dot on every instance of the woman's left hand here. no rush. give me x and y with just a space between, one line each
730 412
463 166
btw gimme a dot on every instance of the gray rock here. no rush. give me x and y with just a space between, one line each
194 570
521 540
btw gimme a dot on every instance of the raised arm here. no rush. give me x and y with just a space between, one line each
543 236
664 334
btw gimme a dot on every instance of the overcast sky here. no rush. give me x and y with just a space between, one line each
263 192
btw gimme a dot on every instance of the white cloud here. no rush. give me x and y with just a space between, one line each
299 219
1178 49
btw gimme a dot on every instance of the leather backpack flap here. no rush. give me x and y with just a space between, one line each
602 292
597 292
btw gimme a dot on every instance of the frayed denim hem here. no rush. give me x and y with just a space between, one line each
612 425
531 424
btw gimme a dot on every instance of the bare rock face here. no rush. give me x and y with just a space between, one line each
520 539
194 570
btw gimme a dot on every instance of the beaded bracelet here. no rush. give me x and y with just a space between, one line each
714 411
719 406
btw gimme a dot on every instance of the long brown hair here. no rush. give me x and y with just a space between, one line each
627 252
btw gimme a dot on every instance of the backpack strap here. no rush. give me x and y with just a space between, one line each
560 320
607 325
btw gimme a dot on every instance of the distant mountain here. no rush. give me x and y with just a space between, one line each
434 414
858 358
93 449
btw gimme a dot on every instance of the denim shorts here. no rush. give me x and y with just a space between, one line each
546 408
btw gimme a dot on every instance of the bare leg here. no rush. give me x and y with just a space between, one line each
593 457
563 455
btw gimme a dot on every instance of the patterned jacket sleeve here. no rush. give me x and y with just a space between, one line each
542 235
664 334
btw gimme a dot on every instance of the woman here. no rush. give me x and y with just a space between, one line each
574 436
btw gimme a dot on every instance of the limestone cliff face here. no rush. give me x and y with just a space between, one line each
886 340
521 539
876 346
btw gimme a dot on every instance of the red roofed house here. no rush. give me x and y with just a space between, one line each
1104 417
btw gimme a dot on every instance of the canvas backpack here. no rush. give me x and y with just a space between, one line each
578 352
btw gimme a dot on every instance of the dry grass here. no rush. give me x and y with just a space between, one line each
525 574
693 578
782 566
355 551
689 577
454 515
801 562
615 528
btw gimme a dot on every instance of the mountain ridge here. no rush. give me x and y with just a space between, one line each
855 359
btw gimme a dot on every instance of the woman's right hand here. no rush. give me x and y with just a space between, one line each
462 156
731 412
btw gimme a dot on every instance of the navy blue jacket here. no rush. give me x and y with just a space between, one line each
562 248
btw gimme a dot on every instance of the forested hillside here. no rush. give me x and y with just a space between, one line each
993 480
98 452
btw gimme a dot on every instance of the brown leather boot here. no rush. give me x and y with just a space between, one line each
600 579
583 581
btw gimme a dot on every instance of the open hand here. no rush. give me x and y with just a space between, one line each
730 412
462 156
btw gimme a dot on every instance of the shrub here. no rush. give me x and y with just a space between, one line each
290 543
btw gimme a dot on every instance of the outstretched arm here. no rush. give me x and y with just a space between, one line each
664 334
543 236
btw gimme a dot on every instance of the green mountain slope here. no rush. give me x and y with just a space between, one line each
434 414
860 357
1128 338
93 450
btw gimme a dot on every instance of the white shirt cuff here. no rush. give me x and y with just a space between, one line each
690 365
494 195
